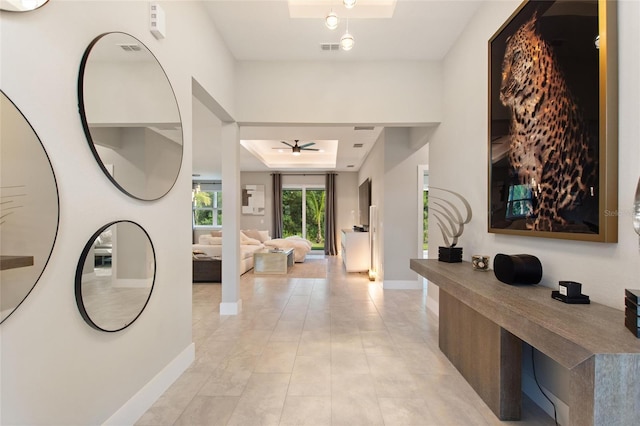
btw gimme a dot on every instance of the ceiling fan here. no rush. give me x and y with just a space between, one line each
296 149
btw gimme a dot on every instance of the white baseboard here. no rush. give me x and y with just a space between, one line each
401 285
231 308
139 403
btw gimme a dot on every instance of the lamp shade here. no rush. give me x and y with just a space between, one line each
331 20
347 41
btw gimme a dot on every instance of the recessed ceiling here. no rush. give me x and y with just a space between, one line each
337 142
278 155
266 31
294 30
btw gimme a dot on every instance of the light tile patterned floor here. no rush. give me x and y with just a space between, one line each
310 351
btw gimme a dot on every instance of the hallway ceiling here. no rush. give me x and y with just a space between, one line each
293 30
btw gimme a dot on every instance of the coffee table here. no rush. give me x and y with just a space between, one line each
207 269
269 261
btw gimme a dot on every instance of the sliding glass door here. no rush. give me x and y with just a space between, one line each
303 213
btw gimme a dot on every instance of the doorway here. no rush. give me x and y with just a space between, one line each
303 210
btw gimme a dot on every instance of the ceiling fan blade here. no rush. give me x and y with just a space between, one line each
307 144
287 144
309 149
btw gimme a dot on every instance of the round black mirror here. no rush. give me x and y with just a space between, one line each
115 276
130 116
29 210
21 5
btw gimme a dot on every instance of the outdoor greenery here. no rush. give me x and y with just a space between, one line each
292 215
425 220
206 205
315 215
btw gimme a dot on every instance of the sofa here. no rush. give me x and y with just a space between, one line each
212 247
251 240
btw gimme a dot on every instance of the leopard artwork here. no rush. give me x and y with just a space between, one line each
549 143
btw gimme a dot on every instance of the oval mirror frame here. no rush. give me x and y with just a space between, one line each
130 116
103 281
21 5
29 208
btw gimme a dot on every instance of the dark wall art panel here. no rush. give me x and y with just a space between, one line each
552 122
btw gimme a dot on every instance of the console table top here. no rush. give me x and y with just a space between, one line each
567 333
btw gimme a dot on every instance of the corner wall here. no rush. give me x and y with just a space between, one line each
56 369
459 153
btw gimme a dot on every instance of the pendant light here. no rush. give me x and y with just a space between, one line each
331 20
349 3
347 41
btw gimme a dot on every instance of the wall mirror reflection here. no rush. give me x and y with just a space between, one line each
130 116
28 208
115 276
21 5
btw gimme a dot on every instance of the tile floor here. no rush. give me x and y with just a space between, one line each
311 351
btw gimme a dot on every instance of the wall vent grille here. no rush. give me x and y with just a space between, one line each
329 47
358 145
363 128
130 47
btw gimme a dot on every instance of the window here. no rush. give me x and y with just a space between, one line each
519 202
303 214
207 206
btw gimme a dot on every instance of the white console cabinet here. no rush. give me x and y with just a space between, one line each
356 254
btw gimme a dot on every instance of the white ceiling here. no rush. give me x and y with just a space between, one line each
272 30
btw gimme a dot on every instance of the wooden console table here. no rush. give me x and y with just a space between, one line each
483 323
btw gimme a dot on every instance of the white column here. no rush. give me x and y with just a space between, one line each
231 303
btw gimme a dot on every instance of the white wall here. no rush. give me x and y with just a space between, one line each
373 168
392 166
326 92
56 369
258 222
400 191
459 147
460 158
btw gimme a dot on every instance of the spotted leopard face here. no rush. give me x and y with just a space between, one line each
549 146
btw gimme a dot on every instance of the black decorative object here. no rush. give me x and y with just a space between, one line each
631 314
570 288
581 299
450 254
517 268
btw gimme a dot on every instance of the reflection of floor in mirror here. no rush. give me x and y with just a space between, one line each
103 272
111 307
338 350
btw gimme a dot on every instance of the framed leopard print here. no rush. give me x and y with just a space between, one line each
553 122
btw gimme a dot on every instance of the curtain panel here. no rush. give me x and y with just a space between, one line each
330 245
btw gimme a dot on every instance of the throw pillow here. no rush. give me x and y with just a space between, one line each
264 236
246 241
252 233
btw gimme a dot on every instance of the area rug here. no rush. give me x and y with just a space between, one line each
310 268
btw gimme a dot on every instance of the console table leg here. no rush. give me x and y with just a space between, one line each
487 356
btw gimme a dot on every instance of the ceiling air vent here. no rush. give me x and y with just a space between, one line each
358 145
130 47
350 165
329 47
363 128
